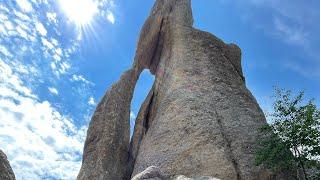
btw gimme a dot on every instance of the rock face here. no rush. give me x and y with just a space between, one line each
6 172
181 177
154 173
199 118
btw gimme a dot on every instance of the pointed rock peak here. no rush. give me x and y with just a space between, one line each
179 10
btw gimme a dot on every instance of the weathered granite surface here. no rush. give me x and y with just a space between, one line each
107 144
199 118
154 173
181 177
151 173
6 172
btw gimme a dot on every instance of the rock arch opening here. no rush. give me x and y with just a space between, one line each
142 88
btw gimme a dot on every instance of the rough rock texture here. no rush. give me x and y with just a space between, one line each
107 144
6 172
151 173
199 118
181 177
154 173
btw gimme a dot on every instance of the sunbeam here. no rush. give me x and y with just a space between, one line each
80 12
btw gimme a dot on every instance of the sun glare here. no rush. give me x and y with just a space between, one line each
79 11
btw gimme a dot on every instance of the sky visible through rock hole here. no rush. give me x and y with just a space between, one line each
58 57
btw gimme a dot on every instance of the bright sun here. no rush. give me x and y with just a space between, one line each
79 11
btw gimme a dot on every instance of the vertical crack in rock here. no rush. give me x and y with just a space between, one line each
229 152
158 49
147 120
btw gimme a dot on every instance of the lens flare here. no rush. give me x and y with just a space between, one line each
80 12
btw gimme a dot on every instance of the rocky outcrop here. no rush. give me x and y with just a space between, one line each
181 177
151 173
6 172
199 118
154 173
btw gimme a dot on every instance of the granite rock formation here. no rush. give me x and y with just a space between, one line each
6 172
199 119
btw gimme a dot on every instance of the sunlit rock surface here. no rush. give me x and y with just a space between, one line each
154 173
199 118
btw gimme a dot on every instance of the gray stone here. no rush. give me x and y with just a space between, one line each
198 119
154 173
202 119
151 173
106 148
6 172
181 177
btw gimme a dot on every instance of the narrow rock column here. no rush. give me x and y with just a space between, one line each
106 148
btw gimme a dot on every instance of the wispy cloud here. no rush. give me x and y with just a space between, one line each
38 140
53 90
91 101
41 29
290 34
111 18
291 22
25 5
308 71
80 78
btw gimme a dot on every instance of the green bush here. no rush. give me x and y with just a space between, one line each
291 142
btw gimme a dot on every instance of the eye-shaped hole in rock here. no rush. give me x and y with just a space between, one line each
141 91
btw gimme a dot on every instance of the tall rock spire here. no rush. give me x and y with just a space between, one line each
199 118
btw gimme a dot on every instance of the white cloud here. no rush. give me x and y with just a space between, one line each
111 18
41 29
13 82
80 78
8 25
289 34
5 51
53 90
25 5
39 141
91 101
47 44
307 71
294 23
23 33
52 16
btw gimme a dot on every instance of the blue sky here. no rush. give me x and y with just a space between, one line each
58 57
